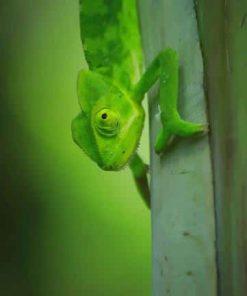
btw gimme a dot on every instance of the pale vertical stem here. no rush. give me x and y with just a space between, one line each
183 228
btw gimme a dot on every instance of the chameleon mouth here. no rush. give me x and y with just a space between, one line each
107 168
114 165
119 158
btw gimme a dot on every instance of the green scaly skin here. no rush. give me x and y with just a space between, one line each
110 124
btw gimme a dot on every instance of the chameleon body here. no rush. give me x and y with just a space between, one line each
110 92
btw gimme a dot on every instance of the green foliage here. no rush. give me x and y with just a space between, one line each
65 231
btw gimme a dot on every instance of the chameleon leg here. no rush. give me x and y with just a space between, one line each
139 170
162 140
170 118
165 68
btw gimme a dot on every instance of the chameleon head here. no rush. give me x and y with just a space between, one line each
109 130
117 131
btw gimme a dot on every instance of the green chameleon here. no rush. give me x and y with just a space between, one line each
110 124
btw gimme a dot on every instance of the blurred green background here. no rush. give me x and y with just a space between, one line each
66 227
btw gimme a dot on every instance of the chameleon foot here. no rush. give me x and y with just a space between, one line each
179 128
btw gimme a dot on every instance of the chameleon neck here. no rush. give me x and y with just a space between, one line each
111 39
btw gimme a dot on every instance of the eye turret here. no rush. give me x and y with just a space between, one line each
107 122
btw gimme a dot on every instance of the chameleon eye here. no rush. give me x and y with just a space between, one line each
104 116
107 122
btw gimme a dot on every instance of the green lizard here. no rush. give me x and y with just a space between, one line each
109 126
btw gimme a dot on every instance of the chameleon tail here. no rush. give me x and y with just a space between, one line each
139 170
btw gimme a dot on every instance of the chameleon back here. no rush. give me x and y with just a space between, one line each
111 39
